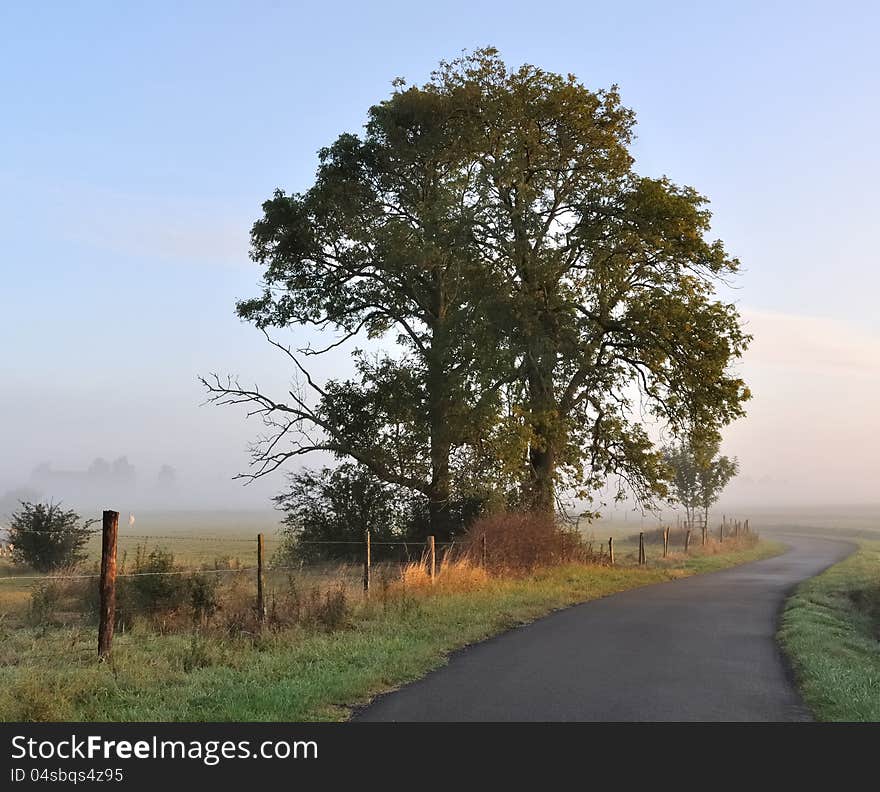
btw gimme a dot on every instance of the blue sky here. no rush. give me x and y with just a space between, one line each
138 141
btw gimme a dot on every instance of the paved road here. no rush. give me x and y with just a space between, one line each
699 649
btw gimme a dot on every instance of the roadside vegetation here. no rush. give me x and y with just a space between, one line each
831 633
194 650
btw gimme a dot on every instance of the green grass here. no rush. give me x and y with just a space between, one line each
830 630
299 673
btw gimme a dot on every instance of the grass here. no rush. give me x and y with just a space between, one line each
194 538
303 673
830 631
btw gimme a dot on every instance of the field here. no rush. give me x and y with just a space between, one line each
831 632
337 651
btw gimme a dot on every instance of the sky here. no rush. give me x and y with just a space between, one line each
139 140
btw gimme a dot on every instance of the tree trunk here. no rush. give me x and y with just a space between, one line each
542 496
542 453
440 524
439 402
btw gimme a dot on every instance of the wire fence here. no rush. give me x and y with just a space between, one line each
184 578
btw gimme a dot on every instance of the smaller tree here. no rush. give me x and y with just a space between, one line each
46 537
713 477
698 473
684 478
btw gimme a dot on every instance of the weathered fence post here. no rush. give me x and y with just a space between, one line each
483 553
107 614
665 541
432 558
687 540
261 583
366 562
642 559
611 550
721 532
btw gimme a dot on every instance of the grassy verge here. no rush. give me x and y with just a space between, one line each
298 673
831 633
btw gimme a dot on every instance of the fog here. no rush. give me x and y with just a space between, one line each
810 438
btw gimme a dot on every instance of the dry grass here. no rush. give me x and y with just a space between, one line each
454 575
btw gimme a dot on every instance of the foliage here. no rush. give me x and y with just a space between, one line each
328 511
46 536
714 476
537 299
698 472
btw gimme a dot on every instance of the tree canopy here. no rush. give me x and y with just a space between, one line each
538 302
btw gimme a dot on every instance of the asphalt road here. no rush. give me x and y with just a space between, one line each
698 649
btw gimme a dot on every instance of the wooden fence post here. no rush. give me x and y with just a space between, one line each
107 614
642 559
611 549
687 540
721 533
665 541
261 583
432 558
483 553
366 562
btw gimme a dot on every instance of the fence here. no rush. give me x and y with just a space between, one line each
430 555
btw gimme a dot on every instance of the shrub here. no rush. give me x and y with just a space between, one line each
520 542
152 589
46 537
204 596
45 598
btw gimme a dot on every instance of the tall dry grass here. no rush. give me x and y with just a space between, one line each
455 573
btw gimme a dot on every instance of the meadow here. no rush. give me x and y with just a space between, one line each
324 647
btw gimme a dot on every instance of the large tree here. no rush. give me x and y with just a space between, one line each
382 245
544 300
608 279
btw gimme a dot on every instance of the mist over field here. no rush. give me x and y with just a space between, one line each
809 439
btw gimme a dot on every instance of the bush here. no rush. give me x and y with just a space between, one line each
327 512
47 537
45 599
520 542
154 587
204 596
159 589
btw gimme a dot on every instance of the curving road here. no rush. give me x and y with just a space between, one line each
698 649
